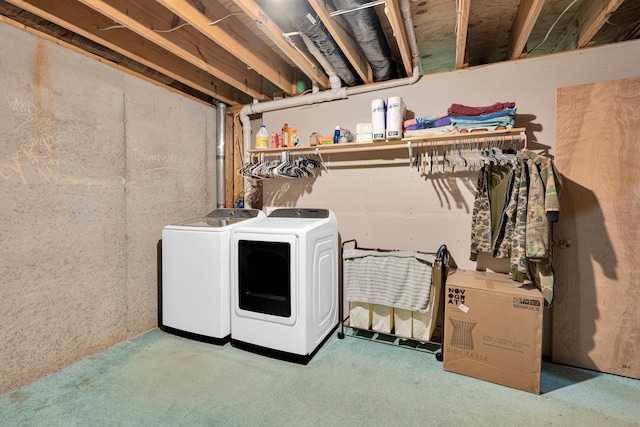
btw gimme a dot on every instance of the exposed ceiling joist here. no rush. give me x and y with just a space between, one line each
239 51
252 52
526 17
85 22
147 18
271 29
397 23
81 49
585 23
462 26
591 16
337 28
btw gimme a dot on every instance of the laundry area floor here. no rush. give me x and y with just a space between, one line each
158 379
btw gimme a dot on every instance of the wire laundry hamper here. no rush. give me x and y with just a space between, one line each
406 280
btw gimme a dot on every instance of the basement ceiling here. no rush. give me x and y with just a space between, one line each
237 51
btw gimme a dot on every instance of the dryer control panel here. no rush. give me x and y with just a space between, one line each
300 213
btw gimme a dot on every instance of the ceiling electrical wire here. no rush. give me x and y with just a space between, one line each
224 17
171 29
614 25
363 6
552 26
287 37
216 22
112 27
633 31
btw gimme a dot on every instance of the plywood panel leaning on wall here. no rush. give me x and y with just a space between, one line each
596 315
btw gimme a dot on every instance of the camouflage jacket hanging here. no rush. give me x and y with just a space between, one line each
494 186
522 232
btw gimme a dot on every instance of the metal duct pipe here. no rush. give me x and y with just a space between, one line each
221 116
405 7
366 29
304 20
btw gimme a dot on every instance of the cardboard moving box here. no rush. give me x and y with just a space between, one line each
493 329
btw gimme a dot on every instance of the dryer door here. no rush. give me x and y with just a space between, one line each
265 282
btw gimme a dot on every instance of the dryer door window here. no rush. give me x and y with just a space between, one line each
264 273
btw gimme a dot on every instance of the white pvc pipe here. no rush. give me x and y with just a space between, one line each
334 80
280 104
405 7
386 85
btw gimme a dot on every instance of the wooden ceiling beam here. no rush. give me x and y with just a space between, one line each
84 21
589 18
307 65
526 17
396 21
462 26
592 15
31 29
147 18
337 28
254 53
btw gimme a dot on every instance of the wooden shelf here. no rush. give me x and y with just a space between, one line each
393 144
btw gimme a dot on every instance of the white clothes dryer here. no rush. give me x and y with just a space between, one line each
195 289
285 283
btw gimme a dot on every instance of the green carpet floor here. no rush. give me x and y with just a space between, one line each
159 379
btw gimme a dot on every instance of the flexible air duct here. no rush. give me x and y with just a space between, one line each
304 19
366 29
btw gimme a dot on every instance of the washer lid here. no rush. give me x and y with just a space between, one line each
211 222
219 218
231 213
299 213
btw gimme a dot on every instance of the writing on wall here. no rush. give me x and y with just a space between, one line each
42 144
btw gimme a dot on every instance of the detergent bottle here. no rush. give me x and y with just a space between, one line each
262 138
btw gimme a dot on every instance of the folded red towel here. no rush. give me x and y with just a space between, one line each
465 110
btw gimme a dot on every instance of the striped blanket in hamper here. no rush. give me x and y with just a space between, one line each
400 279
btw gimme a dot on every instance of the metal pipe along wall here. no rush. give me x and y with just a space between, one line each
221 111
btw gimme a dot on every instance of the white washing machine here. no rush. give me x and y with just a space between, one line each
195 275
285 283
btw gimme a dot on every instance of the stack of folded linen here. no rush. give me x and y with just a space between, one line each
497 116
462 119
432 125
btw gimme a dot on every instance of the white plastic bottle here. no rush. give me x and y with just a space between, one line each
262 138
